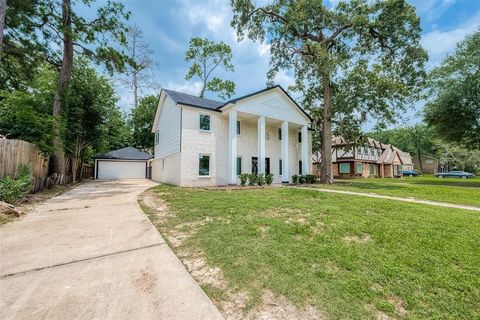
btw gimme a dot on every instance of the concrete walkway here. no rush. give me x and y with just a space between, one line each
411 200
91 253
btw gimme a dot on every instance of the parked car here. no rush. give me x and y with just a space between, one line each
410 173
455 174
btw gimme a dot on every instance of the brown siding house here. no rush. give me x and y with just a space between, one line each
371 159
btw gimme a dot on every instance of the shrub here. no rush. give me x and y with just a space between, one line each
243 178
301 179
252 179
269 178
295 178
11 190
261 179
310 178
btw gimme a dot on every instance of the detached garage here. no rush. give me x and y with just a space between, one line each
126 163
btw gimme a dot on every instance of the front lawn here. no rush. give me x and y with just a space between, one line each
450 190
346 257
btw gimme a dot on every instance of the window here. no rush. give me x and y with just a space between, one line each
280 167
372 169
344 167
157 137
299 137
359 168
239 166
372 151
379 152
365 150
204 165
205 122
359 150
300 167
238 127
279 133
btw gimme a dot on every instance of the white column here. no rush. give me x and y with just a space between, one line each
261 144
232 146
285 153
305 157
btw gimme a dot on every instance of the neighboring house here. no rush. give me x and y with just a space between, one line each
202 142
125 163
429 164
372 159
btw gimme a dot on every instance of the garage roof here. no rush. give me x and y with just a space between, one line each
128 153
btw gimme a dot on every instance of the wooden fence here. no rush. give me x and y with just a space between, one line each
15 153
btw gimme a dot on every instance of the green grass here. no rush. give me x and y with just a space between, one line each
292 242
454 191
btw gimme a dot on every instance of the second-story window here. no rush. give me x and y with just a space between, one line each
372 151
157 137
204 122
359 150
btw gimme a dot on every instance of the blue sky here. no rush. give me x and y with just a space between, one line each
168 25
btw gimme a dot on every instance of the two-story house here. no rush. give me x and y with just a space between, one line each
202 142
371 159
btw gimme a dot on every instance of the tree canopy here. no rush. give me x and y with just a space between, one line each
357 59
206 56
454 110
141 119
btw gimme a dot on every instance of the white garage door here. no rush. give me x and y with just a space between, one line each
121 169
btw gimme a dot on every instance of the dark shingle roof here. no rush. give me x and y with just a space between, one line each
193 101
128 153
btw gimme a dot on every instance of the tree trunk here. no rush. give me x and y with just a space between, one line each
326 170
3 9
58 155
420 160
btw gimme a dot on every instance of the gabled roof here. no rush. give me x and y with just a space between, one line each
193 101
233 101
128 153
213 105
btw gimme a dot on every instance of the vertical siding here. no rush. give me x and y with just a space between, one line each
168 129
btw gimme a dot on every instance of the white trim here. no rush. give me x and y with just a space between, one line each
232 146
285 153
261 144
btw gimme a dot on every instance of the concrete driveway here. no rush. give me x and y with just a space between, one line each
91 253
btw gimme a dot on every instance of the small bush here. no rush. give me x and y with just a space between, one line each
11 190
261 179
252 179
295 178
269 178
310 178
243 178
301 179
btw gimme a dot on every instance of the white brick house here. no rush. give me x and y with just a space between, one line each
202 142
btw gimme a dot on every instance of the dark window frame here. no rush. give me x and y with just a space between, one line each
201 173
201 122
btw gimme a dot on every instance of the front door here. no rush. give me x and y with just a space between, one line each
255 165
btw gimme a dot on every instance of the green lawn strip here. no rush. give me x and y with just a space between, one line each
428 179
348 256
450 194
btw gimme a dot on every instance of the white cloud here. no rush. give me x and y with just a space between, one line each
214 14
190 87
440 43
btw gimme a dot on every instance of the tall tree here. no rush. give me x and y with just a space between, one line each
3 9
360 58
141 118
454 110
139 74
59 32
206 56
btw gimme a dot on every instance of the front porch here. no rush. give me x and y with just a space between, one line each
263 145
